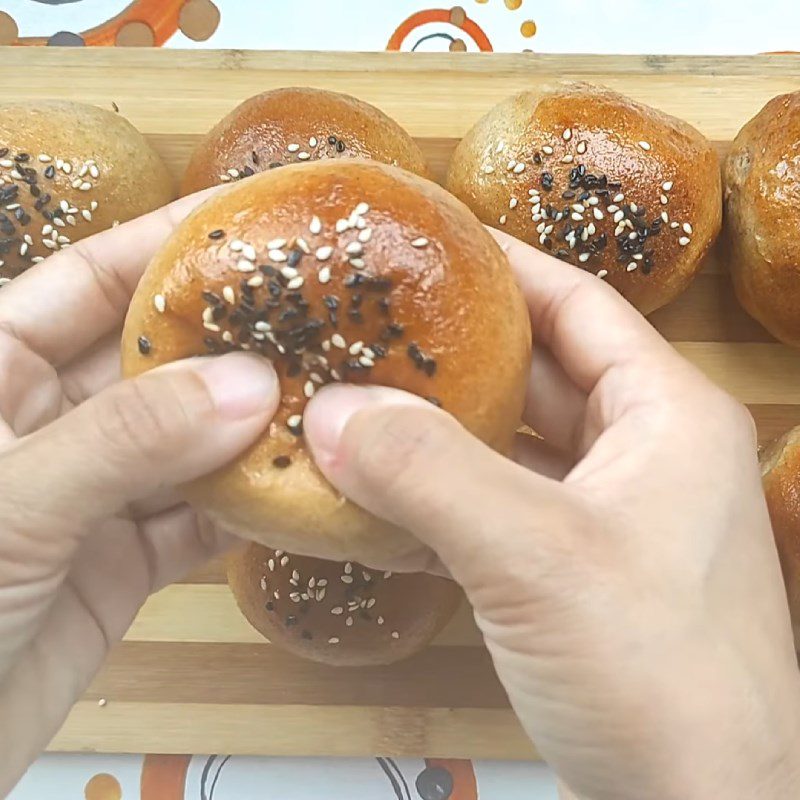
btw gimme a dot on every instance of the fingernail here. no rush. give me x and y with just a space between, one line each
241 384
327 415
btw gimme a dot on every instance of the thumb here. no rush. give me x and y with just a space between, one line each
406 461
163 428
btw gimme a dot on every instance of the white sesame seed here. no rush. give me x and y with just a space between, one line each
602 273
619 229
638 257
581 147
568 159
333 640
547 150
293 148
395 635
664 200
591 229
618 198
365 235
633 235
273 244
211 326
380 620
71 219
511 164
337 340
86 214
47 229
342 225
503 218
667 186
632 266
49 244
278 256
160 302
634 208
326 343
324 275
598 214
94 172
293 422
58 222
315 226
500 145
567 134
236 246
44 158
304 156
312 142
665 216
366 362
260 325
338 610
271 564
520 167
6 163
243 265
302 245
592 201
612 209
76 184
309 389
324 253
93 205
512 203
357 263
644 145
66 168
349 622
585 235
674 225
577 217
234 173
540 227
83 170
488 169
295 283
584 257
542 238
294 596
346 578
619 216
579 208
683 241
249 252
688 228
29 239
420 241
229 294
354 350
354 249
224 178
361 209
289 272
102 702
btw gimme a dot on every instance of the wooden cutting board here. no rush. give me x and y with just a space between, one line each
191 677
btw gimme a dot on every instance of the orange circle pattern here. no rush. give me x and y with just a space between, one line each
103 787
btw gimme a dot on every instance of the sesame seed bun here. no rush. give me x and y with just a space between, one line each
639 189
67 171
762 217
341 614
337 271
780 474
292 125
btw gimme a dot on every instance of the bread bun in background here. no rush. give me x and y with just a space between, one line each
293 125
610 185
337 271
780 473
67 171
762 217
339 613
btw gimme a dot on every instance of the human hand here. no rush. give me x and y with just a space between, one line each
624 574
88 523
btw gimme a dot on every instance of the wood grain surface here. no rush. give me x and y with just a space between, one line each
191 675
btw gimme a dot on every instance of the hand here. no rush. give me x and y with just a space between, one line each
88 524
624 574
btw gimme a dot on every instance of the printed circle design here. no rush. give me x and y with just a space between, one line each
135 34
528 29
8 29
199 20
65 39
103 787
468 27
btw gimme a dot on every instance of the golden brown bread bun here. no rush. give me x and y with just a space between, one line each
596 179
762 217
354 271
288 126
339 613
68 170
780 474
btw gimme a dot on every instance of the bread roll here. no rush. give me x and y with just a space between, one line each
356 272
339 613
762 217
68 170
293 125
598 180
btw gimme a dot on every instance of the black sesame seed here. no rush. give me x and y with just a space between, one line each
281 462
332 140
3 152
395 330
340 146
255 157
537 159
331 301
293 259
384 305
269 605
22 158
217 234
275 164
50 172
290 620
144 345
568 195
355 315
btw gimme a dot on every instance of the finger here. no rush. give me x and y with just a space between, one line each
64 304
414 465
536 454
94 370
164 428
587 326
554 407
